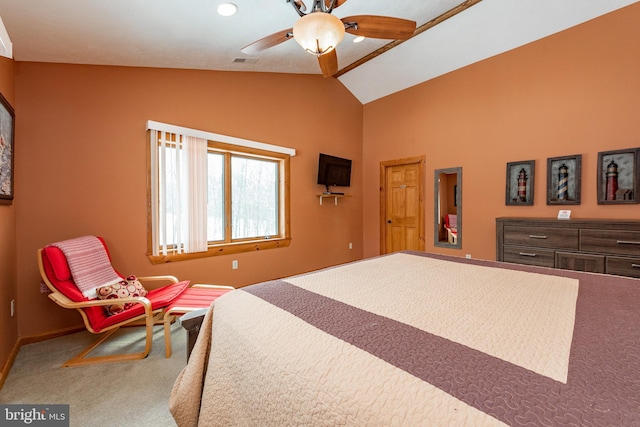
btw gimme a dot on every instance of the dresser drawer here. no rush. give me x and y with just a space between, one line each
610 241
542 237
529 256
623 266
580 262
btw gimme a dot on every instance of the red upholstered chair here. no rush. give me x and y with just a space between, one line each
451 225
149 310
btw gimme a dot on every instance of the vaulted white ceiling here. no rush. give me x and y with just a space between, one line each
190 34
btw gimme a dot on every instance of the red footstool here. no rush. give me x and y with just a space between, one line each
193 298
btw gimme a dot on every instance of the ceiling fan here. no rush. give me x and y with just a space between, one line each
319 32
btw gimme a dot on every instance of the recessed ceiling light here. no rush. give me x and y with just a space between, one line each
227 9
358 39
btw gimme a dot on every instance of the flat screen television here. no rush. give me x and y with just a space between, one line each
334 171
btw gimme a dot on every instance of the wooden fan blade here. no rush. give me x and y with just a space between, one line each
380 27
328 63
267 42
338 3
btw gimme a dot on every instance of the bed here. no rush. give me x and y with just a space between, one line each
417 339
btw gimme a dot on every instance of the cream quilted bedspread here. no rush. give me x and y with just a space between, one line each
408 340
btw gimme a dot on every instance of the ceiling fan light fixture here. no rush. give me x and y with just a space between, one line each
318 32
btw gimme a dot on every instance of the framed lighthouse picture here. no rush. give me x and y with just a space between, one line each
564 176
520 179
618 176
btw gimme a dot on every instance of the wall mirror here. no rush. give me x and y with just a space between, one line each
447 222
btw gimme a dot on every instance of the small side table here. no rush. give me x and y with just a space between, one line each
192 322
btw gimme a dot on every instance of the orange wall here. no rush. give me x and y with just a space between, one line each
8 290
82 166
576 92
81 150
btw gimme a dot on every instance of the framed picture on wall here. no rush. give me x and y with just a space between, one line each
520 179
7 119
564 178
618 176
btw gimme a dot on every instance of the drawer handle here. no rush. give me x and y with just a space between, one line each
635 265
527 254
628 242
535 236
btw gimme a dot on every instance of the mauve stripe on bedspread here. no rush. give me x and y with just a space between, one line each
603 385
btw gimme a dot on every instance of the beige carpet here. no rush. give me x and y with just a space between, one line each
134 393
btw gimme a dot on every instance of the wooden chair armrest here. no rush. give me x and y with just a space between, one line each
65 302
152 282
172 279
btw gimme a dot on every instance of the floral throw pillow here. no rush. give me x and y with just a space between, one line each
131 287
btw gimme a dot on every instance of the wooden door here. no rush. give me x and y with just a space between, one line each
402 205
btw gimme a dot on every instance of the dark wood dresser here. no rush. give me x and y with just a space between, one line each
593 245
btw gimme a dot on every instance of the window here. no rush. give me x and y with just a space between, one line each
211 198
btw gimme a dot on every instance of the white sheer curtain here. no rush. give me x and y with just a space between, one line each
179 193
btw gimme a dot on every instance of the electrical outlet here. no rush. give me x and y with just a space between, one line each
13 307
468 256
350 245
234 264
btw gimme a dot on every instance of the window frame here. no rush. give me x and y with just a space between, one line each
230 246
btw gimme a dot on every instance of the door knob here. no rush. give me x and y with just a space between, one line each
388 221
